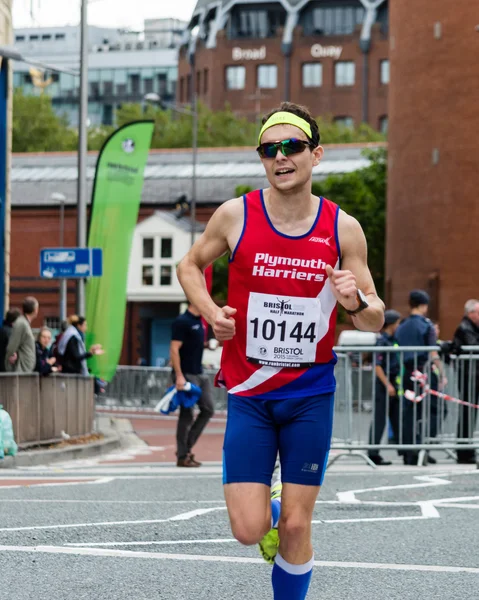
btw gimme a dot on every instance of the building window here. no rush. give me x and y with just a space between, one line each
182 89
383 124
254 23
148 247
166 248
34 38
147 275
384 76
148 83
165 274
59 36
347 122
312 75
52 322
235 78
162 85
198 82
267 77
95 89
46 36
134 84
205 81
107 114
158 265
340 20
19 38
344 73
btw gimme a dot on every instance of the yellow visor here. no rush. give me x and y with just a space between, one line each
286 118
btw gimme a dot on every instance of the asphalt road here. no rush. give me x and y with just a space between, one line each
126 528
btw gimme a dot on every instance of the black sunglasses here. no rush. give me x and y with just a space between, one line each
287 147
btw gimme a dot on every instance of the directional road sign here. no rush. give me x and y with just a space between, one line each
71 263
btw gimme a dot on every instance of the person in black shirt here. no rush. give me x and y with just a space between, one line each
71 347
467 334
387 400
186 352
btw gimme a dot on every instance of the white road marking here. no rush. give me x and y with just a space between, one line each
196 513
154 543
429 511
181 517
371 520
460 506
69 501
460 499
350 496
83 525
230 559
60 483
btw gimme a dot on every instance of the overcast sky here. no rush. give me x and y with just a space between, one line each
108 13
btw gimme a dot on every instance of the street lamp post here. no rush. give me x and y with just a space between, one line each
82 149
61 198
154 98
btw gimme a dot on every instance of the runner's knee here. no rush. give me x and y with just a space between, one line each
294 526
250 533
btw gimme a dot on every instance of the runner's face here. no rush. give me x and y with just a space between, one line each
288 173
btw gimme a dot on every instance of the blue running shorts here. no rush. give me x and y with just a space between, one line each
299 428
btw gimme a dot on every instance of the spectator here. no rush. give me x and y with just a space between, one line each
467 334
186 351
417 330
55 354
21 355
72 348
387 397
45 361
5 332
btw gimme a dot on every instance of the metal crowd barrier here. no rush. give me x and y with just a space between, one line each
42 407
422 415
425 412
143 387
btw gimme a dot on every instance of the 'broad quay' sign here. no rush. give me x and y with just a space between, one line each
318 51
249 53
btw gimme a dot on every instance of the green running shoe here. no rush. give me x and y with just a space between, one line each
269 545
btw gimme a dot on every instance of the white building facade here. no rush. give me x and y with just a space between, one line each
124 66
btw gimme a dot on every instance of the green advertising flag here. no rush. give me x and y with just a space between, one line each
115 204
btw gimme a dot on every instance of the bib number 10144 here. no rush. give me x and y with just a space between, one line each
269 330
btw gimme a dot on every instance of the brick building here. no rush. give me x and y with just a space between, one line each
433 179
331 55
160 240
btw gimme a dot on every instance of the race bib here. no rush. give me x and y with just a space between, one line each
282 331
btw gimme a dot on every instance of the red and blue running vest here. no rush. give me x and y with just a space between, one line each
286 317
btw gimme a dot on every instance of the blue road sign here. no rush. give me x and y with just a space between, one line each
71 263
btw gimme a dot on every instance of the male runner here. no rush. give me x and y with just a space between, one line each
292 257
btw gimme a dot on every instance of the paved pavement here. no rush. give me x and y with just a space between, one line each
130 525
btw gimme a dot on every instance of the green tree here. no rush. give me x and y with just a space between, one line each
335 133
175 130
362 194
37 128
98 135
219 290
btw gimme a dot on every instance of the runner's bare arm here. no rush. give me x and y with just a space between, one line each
355 274
220 236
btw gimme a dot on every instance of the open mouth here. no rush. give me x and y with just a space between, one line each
283 172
